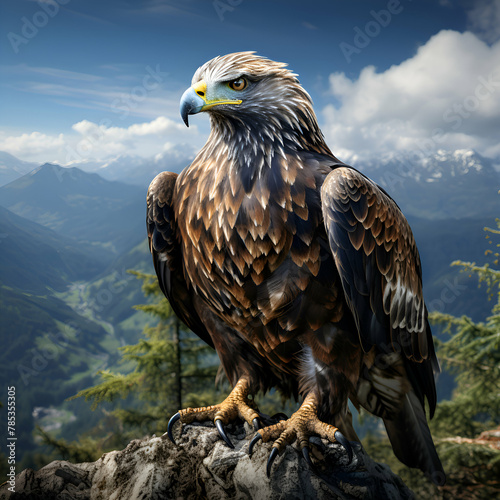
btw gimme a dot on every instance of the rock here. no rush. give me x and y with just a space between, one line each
202 466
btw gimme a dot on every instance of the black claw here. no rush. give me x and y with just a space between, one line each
170 426
256 423
222 433
272 457
307 457
253 442
341 439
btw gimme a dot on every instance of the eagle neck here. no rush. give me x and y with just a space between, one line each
251 144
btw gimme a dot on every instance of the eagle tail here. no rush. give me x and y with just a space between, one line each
411 439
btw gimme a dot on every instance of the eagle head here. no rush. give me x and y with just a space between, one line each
246 89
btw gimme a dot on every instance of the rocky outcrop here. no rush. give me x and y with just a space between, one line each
202 466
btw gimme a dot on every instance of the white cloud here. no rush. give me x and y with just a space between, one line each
484 19
447 96
32 146
98 142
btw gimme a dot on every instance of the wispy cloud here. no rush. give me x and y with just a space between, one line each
309 26
123 89
484 20
90 17
26 70
168 8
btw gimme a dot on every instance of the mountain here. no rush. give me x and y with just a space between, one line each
84 206
11 168
35 257
445 185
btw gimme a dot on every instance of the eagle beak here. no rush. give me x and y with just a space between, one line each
195 100
191 103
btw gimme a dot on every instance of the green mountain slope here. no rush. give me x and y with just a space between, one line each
35 257
80 205
49 353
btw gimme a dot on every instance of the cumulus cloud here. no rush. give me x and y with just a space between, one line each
32 146
90 142
447 96
144 139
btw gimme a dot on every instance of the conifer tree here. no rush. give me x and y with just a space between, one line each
469 423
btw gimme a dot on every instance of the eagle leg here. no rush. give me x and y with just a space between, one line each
303 424
235 405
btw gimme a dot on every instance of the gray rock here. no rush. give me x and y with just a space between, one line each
202 466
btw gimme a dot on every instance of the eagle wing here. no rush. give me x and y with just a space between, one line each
379 265
166 254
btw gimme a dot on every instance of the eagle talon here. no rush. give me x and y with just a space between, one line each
236 405
342 440
222 433
253 442
271 459
256 424
307 457
170 426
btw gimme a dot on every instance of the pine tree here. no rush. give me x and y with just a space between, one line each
469 423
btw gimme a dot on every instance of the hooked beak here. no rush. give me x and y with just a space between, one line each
191 103
195 100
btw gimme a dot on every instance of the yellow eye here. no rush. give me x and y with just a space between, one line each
238 84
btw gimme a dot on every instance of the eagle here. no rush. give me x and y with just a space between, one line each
298 269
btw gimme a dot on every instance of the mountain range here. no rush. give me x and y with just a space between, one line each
68 237
445 185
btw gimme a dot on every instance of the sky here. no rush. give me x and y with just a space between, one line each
89 81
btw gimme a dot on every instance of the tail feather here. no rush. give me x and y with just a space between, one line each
411 439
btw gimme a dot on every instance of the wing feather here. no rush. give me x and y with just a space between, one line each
378 261
161 227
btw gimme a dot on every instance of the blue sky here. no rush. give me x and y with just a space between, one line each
105 78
